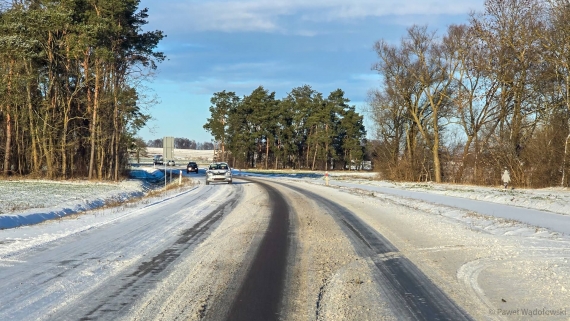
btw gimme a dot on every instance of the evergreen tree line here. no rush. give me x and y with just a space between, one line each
304 130
488 95
69 85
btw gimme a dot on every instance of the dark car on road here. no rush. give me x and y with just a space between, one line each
158 160
192 167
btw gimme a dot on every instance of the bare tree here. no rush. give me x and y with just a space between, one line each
390 118
474 97
509 30
421 73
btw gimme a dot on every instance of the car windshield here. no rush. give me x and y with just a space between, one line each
218 166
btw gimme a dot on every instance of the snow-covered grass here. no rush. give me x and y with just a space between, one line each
22 195
552 199
26 202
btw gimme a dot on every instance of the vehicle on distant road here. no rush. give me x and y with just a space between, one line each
192 167
219 172
170 163
158 160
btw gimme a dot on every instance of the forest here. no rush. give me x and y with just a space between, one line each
464 104
304 130
70 86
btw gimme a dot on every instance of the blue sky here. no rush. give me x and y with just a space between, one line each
215 45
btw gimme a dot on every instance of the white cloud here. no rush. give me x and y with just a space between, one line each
268 15
371 8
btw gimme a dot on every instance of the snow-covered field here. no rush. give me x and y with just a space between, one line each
26 194
25 202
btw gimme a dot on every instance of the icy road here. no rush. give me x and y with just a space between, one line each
265 249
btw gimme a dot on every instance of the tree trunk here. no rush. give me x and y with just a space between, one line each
563 182
436 162
117 152
102 153
266 152
116 128
327 156
411 146
93 124
19 148
49 157
315 156
8 147
33 130
64 144
327 147
459 176
44 142
308 147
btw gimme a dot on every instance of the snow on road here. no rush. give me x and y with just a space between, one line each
507 272
57 270
552 221
554 199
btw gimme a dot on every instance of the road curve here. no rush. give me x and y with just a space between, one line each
413 295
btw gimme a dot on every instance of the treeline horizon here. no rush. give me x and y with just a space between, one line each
70 93
302 130
487 95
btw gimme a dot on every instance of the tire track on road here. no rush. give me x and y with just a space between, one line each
124 290
261 294
414 295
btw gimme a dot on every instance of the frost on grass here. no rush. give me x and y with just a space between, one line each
23 195
30 202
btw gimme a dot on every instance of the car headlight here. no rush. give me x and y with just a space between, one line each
228 173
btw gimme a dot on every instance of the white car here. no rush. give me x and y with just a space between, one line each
219 172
